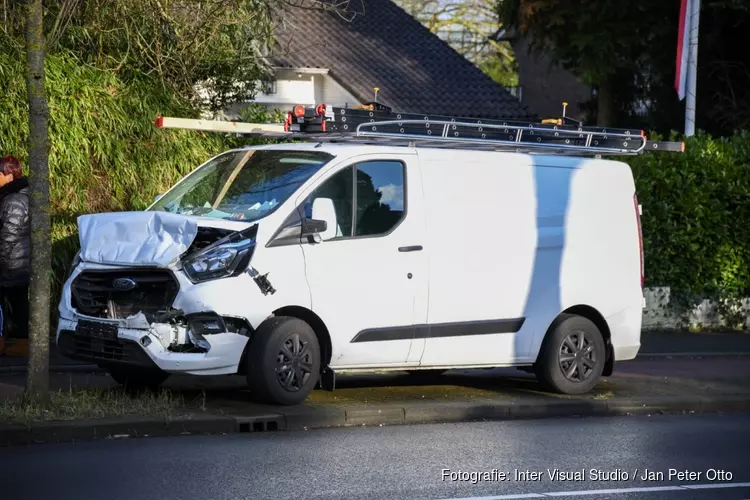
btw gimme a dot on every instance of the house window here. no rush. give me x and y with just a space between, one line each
270 87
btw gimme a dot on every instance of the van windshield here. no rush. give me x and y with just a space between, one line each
242 185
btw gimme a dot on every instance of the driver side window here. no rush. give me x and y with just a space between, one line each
339 189
369 198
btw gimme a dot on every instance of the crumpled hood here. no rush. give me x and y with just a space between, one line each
135 238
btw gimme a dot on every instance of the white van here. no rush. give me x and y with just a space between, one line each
287 263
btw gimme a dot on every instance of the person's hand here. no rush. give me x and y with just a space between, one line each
5 179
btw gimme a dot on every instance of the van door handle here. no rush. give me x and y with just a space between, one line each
413 248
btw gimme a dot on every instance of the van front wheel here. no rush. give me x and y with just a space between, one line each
572 357
283 361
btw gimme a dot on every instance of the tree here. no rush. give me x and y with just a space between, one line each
605 43
37 383
211 52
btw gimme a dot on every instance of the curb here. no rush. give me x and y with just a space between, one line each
306 418
113 428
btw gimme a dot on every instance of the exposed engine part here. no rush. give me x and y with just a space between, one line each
169 316
185 332
180 337
165 332
261 280
177 337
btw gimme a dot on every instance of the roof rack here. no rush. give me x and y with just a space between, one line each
375 123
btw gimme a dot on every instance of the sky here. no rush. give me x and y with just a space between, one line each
389 181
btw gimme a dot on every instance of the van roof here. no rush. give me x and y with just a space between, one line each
427 153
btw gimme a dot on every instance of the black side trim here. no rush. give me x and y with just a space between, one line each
392 333
460 329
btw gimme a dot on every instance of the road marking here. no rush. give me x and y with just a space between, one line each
614 491
716 485
504 497
691 354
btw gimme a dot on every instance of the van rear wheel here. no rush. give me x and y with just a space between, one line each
572 357
283 361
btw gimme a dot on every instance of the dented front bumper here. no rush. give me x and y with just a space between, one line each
143 348
204 332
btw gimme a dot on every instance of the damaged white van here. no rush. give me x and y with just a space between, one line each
289 262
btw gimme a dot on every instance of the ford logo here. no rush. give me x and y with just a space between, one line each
124 284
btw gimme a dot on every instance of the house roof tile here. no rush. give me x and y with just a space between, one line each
386 47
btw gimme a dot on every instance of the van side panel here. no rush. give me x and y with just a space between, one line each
601 264
480 240
517 237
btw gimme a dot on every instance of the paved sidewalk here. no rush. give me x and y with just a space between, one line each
223 404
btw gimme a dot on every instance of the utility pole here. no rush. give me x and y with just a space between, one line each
692 67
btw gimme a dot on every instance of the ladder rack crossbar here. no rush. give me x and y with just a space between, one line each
514 139
337 115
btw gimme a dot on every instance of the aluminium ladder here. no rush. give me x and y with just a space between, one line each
374 123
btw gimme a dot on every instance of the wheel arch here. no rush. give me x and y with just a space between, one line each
318 326
595 317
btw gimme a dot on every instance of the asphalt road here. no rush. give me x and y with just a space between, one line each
400 462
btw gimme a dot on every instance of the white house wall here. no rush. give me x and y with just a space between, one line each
293 87
335 95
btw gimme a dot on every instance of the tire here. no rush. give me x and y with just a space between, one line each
137 379
280 369
561 375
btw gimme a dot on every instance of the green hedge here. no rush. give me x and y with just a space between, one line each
696 217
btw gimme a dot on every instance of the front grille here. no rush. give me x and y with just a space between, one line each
95 294
101 348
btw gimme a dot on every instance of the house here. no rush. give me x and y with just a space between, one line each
320 57
544 84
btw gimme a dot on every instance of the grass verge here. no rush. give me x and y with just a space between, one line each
75 404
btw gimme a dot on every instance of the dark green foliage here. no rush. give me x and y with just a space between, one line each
106 154
216 45
696 217
629 47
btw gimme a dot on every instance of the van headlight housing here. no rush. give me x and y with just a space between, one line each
222 261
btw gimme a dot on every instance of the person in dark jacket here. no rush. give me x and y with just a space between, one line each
14 253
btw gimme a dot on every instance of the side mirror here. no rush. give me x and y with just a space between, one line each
311 227
324 212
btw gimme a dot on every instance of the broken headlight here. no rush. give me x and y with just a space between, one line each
222 261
